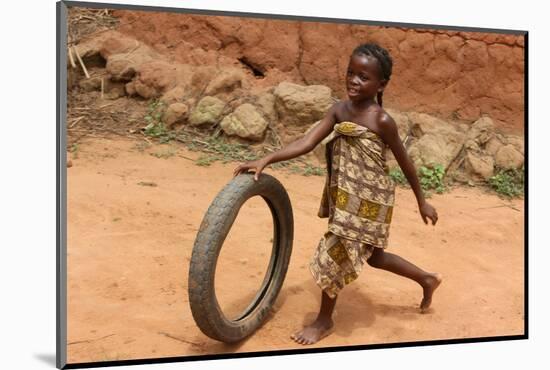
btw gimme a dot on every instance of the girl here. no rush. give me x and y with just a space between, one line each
358 196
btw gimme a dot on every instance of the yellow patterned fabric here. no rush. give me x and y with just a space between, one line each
358 200
359 194
337 262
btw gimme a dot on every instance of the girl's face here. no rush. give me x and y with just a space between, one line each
363 79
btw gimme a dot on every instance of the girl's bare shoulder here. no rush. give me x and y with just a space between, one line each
386 124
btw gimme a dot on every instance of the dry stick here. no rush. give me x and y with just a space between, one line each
71 59
90 340
502 205
81 62
179 339
76 121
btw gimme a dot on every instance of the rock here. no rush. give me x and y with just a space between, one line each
113 89
116 43
508 157
493 145
479 165
69 163
422 124
90 84
438 142
174 113
482 130
121 68
201 79
224 82
245 122
432 149
517 142
266 104
175 95
145 91
130 88
298 106
208 110
154 78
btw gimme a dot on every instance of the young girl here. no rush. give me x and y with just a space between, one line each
358 196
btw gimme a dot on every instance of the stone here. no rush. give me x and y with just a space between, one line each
517 142
175 95
302 105
431 150
508 157
478 165
154 78
121 68
90 84
266 103
245 122
437 141
482 130
130 88
113 89
224 82
208 110
201 78
493 145
299 106
175 112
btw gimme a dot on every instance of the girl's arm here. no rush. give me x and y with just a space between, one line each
295 149
390 136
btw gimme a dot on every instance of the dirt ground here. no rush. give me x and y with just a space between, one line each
133 218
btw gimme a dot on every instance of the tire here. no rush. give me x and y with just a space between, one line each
211 235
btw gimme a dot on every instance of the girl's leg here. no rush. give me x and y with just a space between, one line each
321 327
393 263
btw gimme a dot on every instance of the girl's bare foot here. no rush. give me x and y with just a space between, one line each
314 332
430 285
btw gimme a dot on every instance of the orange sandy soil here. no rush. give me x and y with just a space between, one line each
129 248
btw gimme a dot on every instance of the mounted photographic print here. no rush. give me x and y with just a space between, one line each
238 184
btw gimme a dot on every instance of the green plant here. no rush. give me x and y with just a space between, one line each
74 150
310 170
206 160
432 178
155 127
509 183
398 176
166 153
142 146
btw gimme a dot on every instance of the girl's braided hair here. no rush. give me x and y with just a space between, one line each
383 57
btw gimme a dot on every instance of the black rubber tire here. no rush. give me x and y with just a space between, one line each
211 235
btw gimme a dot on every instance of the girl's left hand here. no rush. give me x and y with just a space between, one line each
427 211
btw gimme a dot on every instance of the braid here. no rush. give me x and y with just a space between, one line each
384 59
379 98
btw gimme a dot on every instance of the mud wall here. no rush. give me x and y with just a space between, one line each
458 76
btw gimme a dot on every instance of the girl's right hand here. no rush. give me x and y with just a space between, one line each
257 166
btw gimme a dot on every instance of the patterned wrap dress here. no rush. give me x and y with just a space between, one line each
358 199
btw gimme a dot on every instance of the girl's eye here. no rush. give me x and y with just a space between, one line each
363 78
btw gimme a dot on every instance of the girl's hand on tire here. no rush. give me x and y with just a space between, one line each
257 166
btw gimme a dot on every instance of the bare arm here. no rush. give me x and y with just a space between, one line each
390 136
295 149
